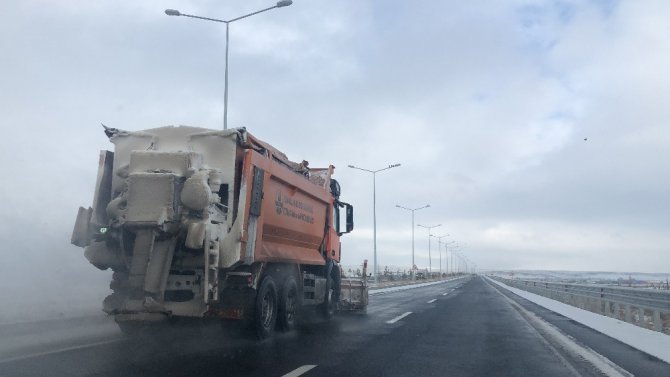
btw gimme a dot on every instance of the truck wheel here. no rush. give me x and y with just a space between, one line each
289 305
328 306
130 328
265 315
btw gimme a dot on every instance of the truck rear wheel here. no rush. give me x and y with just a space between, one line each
289 305
130 328
328 306
265 315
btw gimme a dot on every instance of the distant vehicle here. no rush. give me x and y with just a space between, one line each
420 275
204 223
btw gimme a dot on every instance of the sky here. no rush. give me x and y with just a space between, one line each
536 130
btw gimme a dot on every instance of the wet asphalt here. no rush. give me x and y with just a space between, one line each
457 328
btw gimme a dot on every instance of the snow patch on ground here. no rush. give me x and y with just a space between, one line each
652 342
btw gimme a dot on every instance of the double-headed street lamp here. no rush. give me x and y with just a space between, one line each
174 12
374 207
469 265
430 260
454 259
464 260
412 210
446 254
454 265
439 249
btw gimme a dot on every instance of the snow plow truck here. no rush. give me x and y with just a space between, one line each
203 223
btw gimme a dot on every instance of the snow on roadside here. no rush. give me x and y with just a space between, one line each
372 291
652 342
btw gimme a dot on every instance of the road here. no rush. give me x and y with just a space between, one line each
466 327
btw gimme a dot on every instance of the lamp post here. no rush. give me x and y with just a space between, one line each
430 260
454 264
455 254
439 249
458 262
464 260
446 254
374 208
174 12
412 210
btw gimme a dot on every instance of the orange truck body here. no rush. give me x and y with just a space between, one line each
293 216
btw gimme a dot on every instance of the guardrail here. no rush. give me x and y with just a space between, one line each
644 308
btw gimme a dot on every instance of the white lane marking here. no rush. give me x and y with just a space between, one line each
73 348
398 318
447 292
299 371
569 344
431 301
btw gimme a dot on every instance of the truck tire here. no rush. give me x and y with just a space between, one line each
130 328
289 305
265 313
330 302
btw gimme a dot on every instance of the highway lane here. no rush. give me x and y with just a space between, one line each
461 328
474 332
94 346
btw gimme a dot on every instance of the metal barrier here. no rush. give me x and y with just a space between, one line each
645 308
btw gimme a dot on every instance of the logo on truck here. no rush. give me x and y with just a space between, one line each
287 206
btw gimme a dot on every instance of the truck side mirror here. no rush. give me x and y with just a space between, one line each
350 217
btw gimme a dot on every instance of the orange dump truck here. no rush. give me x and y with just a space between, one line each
204 223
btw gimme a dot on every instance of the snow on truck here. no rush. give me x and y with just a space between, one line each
203 223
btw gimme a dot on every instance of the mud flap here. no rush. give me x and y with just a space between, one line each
81 233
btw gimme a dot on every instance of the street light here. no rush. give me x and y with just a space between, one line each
459 261
412 210
174 12
464 259
374 207
446 254
453 264
430 260
439 249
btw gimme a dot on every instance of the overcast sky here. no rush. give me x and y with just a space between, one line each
486 104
